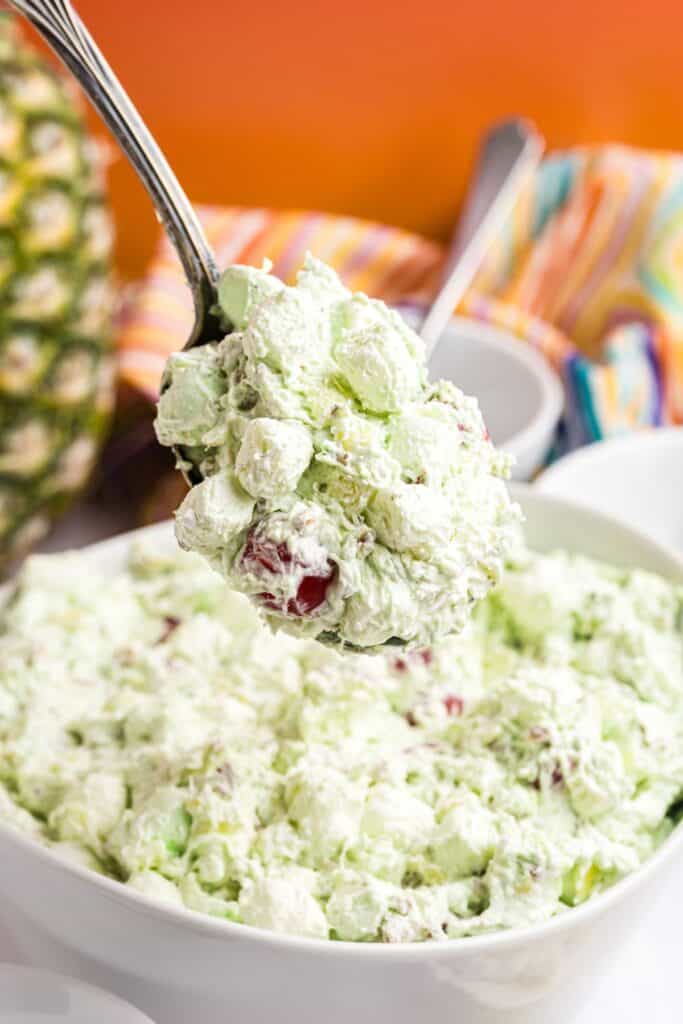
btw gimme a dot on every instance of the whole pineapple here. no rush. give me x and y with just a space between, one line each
56 360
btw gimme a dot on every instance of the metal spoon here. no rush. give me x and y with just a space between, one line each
509 153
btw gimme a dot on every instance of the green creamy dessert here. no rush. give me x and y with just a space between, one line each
340 489
152 729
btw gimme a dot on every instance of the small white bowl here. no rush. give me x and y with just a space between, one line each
182 967
28 995
637 479
520 395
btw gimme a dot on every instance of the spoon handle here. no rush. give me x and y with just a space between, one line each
59 24
509 153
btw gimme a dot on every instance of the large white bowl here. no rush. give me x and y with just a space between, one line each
183 968
638 479
520 395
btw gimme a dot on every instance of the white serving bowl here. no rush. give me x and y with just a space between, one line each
638 479
183 968
520 395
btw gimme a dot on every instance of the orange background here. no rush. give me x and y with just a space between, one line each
374 108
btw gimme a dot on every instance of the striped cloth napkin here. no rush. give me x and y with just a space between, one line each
589 270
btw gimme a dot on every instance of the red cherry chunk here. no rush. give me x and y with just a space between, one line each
453 705
311 593
261 553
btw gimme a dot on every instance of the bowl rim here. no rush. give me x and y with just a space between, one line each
217 928
551 404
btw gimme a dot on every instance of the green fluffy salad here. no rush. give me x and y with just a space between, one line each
154 730
338 488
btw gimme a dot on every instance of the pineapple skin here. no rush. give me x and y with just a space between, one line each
56 296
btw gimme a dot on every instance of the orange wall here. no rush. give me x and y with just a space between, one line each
374 107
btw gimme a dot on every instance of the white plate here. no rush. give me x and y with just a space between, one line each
31 996
637 479
641 984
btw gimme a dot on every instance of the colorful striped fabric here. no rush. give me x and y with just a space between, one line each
589 270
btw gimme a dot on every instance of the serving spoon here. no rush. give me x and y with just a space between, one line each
509 154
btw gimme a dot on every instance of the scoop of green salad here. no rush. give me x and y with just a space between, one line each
152 730
341 491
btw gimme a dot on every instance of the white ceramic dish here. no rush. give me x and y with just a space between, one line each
181 967
30 996
519 394
638 479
